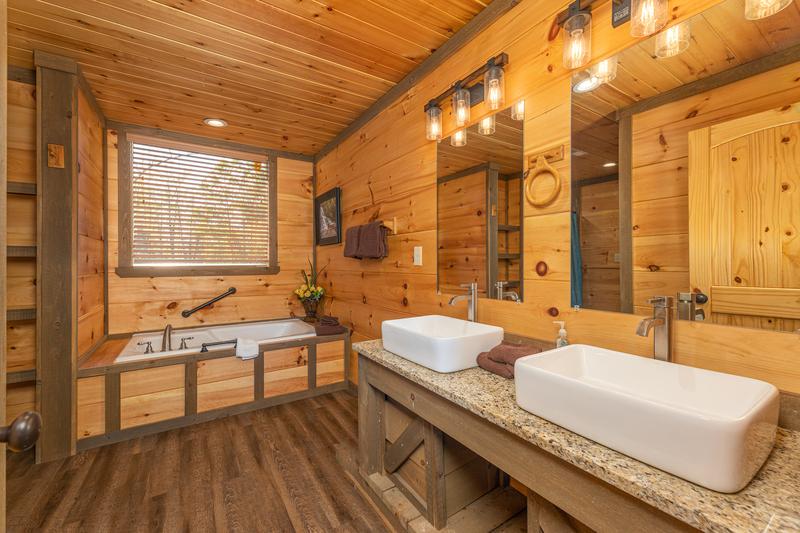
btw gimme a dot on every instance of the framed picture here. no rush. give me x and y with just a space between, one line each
327 208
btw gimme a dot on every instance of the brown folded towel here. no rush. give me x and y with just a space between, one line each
501 369
329 325
351 240
328 320
372 241
508 353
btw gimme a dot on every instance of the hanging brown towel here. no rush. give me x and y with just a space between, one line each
351 240
372 241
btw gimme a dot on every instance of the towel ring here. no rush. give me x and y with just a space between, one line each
542 168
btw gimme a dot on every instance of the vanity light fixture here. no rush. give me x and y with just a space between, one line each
673 40
759 9
605 71
487 125
459 138
518 111
494 86
433 122
577 40
648 16
215 122
461 107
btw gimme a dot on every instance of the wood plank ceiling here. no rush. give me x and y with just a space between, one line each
285 74
721 39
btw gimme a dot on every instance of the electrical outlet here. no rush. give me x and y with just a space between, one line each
418 256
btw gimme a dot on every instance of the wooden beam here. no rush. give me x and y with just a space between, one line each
21 251
434 476
21 75
87 92
258 377
14 315
21 376
113 402
56 115
625 214
54 62
402 448
371 423
190 388
312 366
480 22
16 187
3 237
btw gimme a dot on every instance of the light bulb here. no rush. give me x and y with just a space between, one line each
759 9
487 125
586 83
605 71
461 106
518 110
648 16
459 138
433 126
494 87
673 40
577 40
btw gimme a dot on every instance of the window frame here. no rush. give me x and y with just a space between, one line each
125 267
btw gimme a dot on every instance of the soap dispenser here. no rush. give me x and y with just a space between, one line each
561 340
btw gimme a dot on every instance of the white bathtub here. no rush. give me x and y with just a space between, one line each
261 332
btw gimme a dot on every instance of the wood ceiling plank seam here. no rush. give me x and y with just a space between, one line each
154 12
276 74
468 9
396 7
349 26
402 62
426 14
254 107
75 49
775 29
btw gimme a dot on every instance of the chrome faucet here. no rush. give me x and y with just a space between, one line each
472 300
501 293
661 322
166 339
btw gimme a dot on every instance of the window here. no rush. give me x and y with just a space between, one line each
194 207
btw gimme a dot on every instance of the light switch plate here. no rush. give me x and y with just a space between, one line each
418 256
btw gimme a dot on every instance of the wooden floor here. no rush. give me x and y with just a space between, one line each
269 470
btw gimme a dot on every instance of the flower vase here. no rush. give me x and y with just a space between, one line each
310 307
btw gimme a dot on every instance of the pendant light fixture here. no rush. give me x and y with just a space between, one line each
759 9
518 110
433 122
461 106
648 16
459 138
487 125
604 71
673 40
494 86
577 40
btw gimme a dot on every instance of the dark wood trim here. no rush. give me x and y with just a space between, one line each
406 444
273 261
18 187
21 251
463 36
435 507
57 245
170 271
113 402
625 176
258 377
312 366
124 215
757 66
371 423
596 181
491 207
21 376
205 416
19 315
3 235
507 227
190 388
54 62
105 233
590 500
84 86
21 75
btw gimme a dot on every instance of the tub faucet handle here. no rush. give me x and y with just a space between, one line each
149 344
183 342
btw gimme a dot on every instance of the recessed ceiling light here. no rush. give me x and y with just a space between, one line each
610 165
215 122
587 84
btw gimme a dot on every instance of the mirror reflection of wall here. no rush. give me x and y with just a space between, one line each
479 209
704 200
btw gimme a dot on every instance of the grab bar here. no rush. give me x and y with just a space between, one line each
205 345
186 313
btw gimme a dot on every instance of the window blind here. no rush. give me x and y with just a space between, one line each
199 209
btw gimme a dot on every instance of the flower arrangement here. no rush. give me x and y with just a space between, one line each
310 293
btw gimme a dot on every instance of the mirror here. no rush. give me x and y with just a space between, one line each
479 210
686 174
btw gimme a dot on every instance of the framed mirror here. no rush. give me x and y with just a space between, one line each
686 172
479 208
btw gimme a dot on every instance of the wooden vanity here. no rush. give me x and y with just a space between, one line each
580 483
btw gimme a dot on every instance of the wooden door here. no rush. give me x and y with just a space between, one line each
744 219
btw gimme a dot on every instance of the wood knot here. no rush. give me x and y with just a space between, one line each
737 279
653 268
553 311
172 305
541 269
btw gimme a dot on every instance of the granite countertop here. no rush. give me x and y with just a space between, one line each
771 502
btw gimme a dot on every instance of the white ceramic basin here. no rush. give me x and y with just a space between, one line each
441 343
710 428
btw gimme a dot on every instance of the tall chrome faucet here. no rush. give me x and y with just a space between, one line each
166 339
472 300
661 322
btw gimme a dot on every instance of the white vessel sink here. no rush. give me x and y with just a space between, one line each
710 428
441 343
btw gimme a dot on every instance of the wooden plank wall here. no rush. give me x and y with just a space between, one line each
91 227
387 169
599 209
660 186
21 216
141 304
